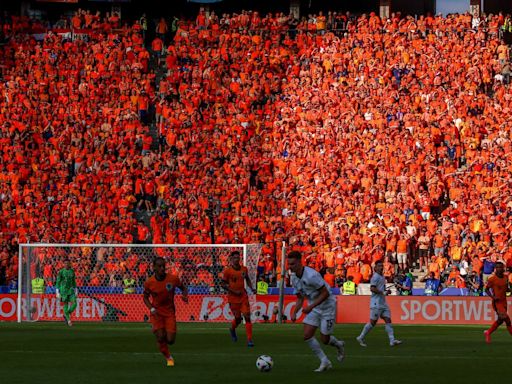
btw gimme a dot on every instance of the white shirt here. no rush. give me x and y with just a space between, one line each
378 301
309 286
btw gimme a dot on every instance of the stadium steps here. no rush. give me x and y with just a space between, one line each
160 72
143 215
418 274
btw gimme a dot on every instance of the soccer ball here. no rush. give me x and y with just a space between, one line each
264 363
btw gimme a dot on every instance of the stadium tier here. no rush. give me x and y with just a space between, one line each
354 139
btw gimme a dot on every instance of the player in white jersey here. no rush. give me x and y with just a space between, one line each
378 307
320 311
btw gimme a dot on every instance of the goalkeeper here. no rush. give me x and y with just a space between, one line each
66 290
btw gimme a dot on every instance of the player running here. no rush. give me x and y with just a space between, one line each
378 306
233 280
320 311
161 287
66 290
496 288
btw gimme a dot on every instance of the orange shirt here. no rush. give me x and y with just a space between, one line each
235 279
499 287
162 293
401 246
329 278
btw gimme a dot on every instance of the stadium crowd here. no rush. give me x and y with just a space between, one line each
378 140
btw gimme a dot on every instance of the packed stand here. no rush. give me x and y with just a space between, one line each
387 140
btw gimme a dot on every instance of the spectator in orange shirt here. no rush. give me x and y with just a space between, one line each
389 270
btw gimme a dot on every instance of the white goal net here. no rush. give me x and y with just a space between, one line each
110 279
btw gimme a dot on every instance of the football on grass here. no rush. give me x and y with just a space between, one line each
264 363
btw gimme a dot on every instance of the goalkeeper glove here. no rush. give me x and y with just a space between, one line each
152 310
57 293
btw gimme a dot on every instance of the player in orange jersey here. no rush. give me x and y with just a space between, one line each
233 280
161 288
496 289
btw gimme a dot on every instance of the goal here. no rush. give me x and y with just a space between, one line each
110 279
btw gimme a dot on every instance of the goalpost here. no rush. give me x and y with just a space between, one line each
110 279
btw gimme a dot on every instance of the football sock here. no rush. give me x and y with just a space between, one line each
494 326
248 329
72 309
389 330
367 328
234 324
509 327
316 348
334 342
164 349
66 311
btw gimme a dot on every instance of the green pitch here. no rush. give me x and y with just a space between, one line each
204 353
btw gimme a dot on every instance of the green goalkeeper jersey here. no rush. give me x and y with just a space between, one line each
66 282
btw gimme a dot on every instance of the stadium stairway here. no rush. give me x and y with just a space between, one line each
160 71
158 65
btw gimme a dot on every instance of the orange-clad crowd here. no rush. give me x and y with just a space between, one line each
389 139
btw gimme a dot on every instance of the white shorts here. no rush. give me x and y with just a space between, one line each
322 320
377 313
402 258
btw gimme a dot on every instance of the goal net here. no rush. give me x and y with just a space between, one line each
110 280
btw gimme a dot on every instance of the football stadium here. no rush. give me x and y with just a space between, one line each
241 191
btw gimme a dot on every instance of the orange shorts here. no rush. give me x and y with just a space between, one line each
500 306
239 308
164 322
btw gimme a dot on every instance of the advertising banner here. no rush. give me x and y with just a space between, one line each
215 308
421 309
119 307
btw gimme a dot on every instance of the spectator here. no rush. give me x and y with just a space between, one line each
262 286
162 29
128 284
432 285
403 283
488 267
475 284
349 287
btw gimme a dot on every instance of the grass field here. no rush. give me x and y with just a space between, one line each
204 353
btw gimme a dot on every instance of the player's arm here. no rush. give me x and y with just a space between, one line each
298 306
57 284
73 283
184 292
489 291
147 302
324 294
374 289
249 283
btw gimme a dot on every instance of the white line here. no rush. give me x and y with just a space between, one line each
392 357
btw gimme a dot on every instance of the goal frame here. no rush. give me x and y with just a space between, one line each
27 272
